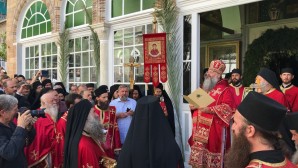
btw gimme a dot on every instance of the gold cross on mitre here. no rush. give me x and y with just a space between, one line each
131 65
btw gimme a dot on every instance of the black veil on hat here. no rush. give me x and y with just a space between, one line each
62 85
137 88
262 111
100 90
169 106
46 81
76 120
270 77
292 121
149 141
35 85
113 89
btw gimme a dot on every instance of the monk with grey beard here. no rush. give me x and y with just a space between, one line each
42 153
93 128
210 134
210 82
83 137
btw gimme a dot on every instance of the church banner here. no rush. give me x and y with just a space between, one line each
155 60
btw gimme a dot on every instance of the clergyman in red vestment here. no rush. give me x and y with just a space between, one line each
83 137
210 134
255 134
107 117
40 152
287 87
236 87
70 100
268 85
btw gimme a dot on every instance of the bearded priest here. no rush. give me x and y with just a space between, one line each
210 134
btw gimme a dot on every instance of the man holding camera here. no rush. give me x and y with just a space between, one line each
13 138
125 107
40 152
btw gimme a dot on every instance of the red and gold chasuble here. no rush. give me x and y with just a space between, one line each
291 94
237 93
261 164
108 119
209 130
42 146
59 144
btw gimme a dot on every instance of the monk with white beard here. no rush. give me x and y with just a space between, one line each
210 134
39 153
83 137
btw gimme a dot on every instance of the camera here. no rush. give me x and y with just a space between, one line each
34 113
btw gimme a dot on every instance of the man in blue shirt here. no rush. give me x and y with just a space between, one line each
125 108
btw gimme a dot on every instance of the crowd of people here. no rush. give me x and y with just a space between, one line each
42 125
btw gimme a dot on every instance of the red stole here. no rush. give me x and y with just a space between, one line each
261 164
206 140
108 119
59 145
237 93
291 94
90 153
43 143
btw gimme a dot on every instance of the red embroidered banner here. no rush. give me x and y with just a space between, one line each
155 60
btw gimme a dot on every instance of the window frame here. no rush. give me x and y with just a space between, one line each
74 12
35 24
123 9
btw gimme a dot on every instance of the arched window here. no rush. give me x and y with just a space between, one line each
36 21
75 12
124 7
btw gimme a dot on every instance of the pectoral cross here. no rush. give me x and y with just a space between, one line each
131 65
215 92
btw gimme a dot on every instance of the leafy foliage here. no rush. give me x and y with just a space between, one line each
167 15
3 52
271 46
96 46
63 43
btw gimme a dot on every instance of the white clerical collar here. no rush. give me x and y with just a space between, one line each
286 85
